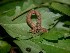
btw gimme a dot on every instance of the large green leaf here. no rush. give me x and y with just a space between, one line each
4 47
19 28
28 46
62 46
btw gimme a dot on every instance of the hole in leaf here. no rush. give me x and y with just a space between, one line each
28 49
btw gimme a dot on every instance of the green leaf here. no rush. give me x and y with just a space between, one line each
40 2
10 6
37 2
5 1
7 19
55 34
4 47
67 23
27 44
63 46
60 25
61 7
19 28
48 18
63 1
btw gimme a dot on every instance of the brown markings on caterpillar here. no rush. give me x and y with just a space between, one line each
35 27
29 21
39 27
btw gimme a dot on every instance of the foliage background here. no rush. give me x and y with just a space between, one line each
55 16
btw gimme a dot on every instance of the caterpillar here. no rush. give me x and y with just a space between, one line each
29 21
35 27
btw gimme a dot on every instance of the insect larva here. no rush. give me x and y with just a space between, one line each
35 27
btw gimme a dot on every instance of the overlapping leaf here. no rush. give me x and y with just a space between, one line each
62 46
10 6
62 8
4 47
28 46
63 1
55 34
